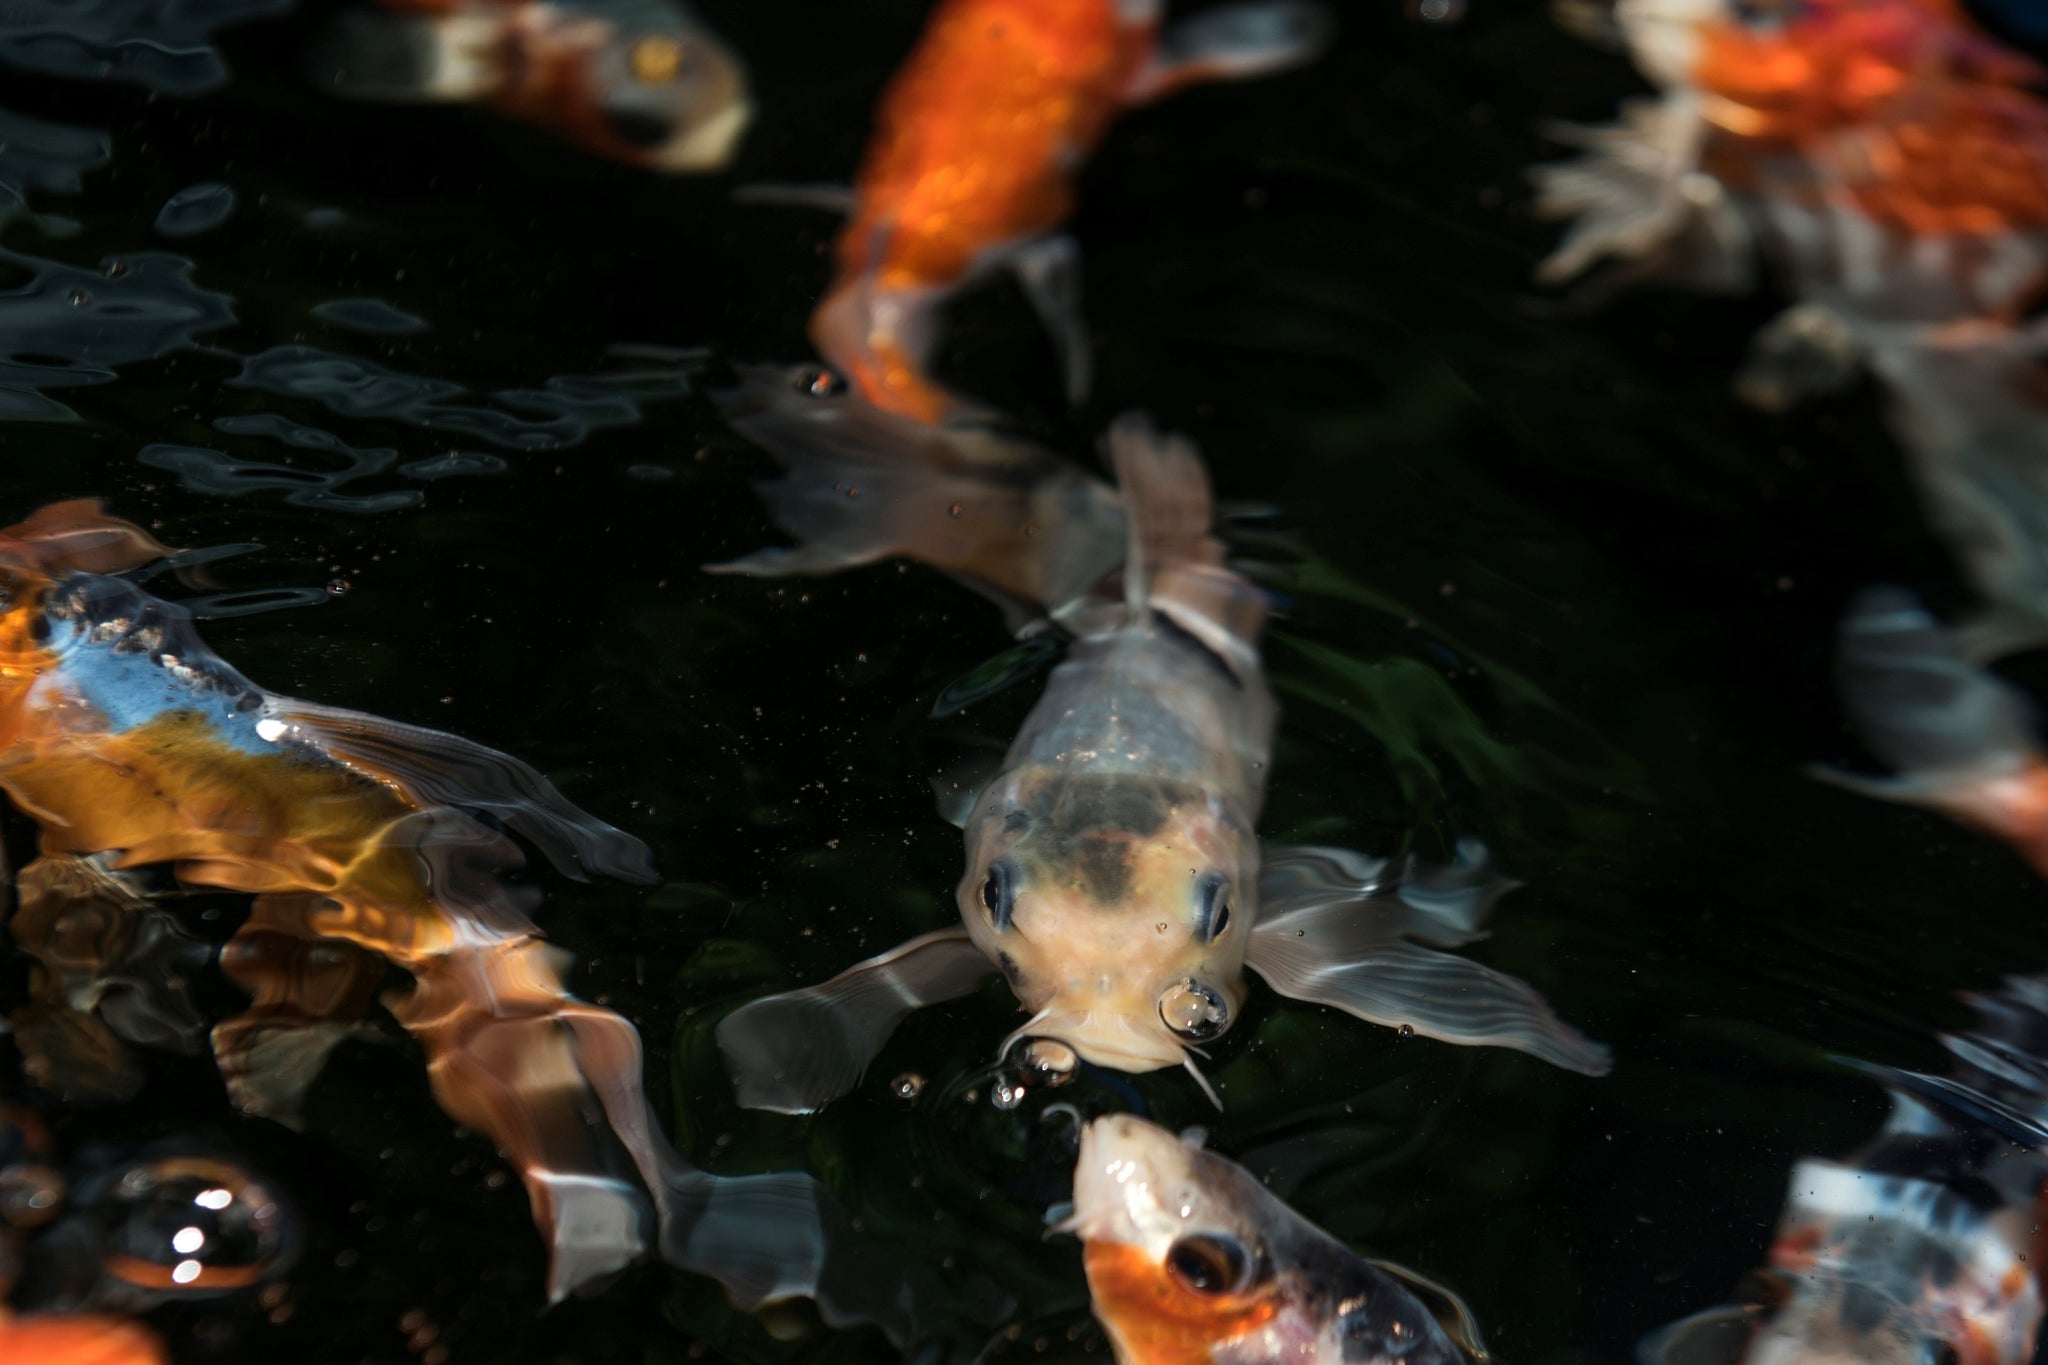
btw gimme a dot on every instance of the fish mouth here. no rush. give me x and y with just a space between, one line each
710 145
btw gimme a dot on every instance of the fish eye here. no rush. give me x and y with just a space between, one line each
1212 908
999 892
1208 1264
657 59
1194 1011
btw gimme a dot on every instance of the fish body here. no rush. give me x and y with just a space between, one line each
1112 865
639 81
972 161
1113 874
1925 1244
1191 1261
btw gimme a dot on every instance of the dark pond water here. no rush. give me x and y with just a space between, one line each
1561 592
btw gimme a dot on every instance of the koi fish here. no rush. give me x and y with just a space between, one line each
1916 1248
639 81
1191 1261
78 1339
130 743
1891 160
970 168
1113 874
1962 740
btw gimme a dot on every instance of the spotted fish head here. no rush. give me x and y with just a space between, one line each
666 91
1190 1258
1118 907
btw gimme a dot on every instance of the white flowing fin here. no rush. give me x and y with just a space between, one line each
1233 43
1717 1336
435 769
796 1052
1049 272
1349 948
1939 720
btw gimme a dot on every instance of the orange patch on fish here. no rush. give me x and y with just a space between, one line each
975 147
1928 125
1154 1319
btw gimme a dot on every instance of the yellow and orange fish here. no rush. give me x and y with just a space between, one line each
639 81
972 160
130 743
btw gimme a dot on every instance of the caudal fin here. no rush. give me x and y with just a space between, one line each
1009 518
1173 562
365 54
1941 722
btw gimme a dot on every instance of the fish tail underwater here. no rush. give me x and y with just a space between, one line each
1466 574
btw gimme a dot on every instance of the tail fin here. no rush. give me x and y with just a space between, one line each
1173 563
1919 704
2005 1057
411 58
1009 518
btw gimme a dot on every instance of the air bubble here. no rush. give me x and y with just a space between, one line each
907 1087
191 1224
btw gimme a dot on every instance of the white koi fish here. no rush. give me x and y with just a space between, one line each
1114 875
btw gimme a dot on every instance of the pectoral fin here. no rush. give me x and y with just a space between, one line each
1049 271
796 1052
1341 935
1234 42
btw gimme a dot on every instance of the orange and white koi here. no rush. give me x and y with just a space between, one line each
1891 160
1916 1249
1191 1261
971 165
639 81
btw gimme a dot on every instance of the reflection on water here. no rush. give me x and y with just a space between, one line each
162 44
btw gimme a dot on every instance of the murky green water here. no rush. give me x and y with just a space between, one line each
1559 592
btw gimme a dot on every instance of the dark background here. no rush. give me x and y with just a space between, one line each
1562 593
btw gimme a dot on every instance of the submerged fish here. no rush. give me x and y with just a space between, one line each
971 165
1962 740
1191 1261
78 1339
1890 160
639 81
130 743
1916 1249
1113 873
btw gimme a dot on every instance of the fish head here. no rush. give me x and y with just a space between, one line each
51 545
670 91
1117 906
1191 1258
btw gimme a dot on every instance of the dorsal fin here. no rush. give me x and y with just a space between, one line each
78 536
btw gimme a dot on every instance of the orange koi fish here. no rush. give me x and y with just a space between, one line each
1113 872
1191 1261
130 744
1962 740
971 165
78 1339
1916 1248
1891 161
639 81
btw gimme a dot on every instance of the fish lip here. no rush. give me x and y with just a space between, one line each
710 145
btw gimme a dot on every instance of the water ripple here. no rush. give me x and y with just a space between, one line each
160 44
